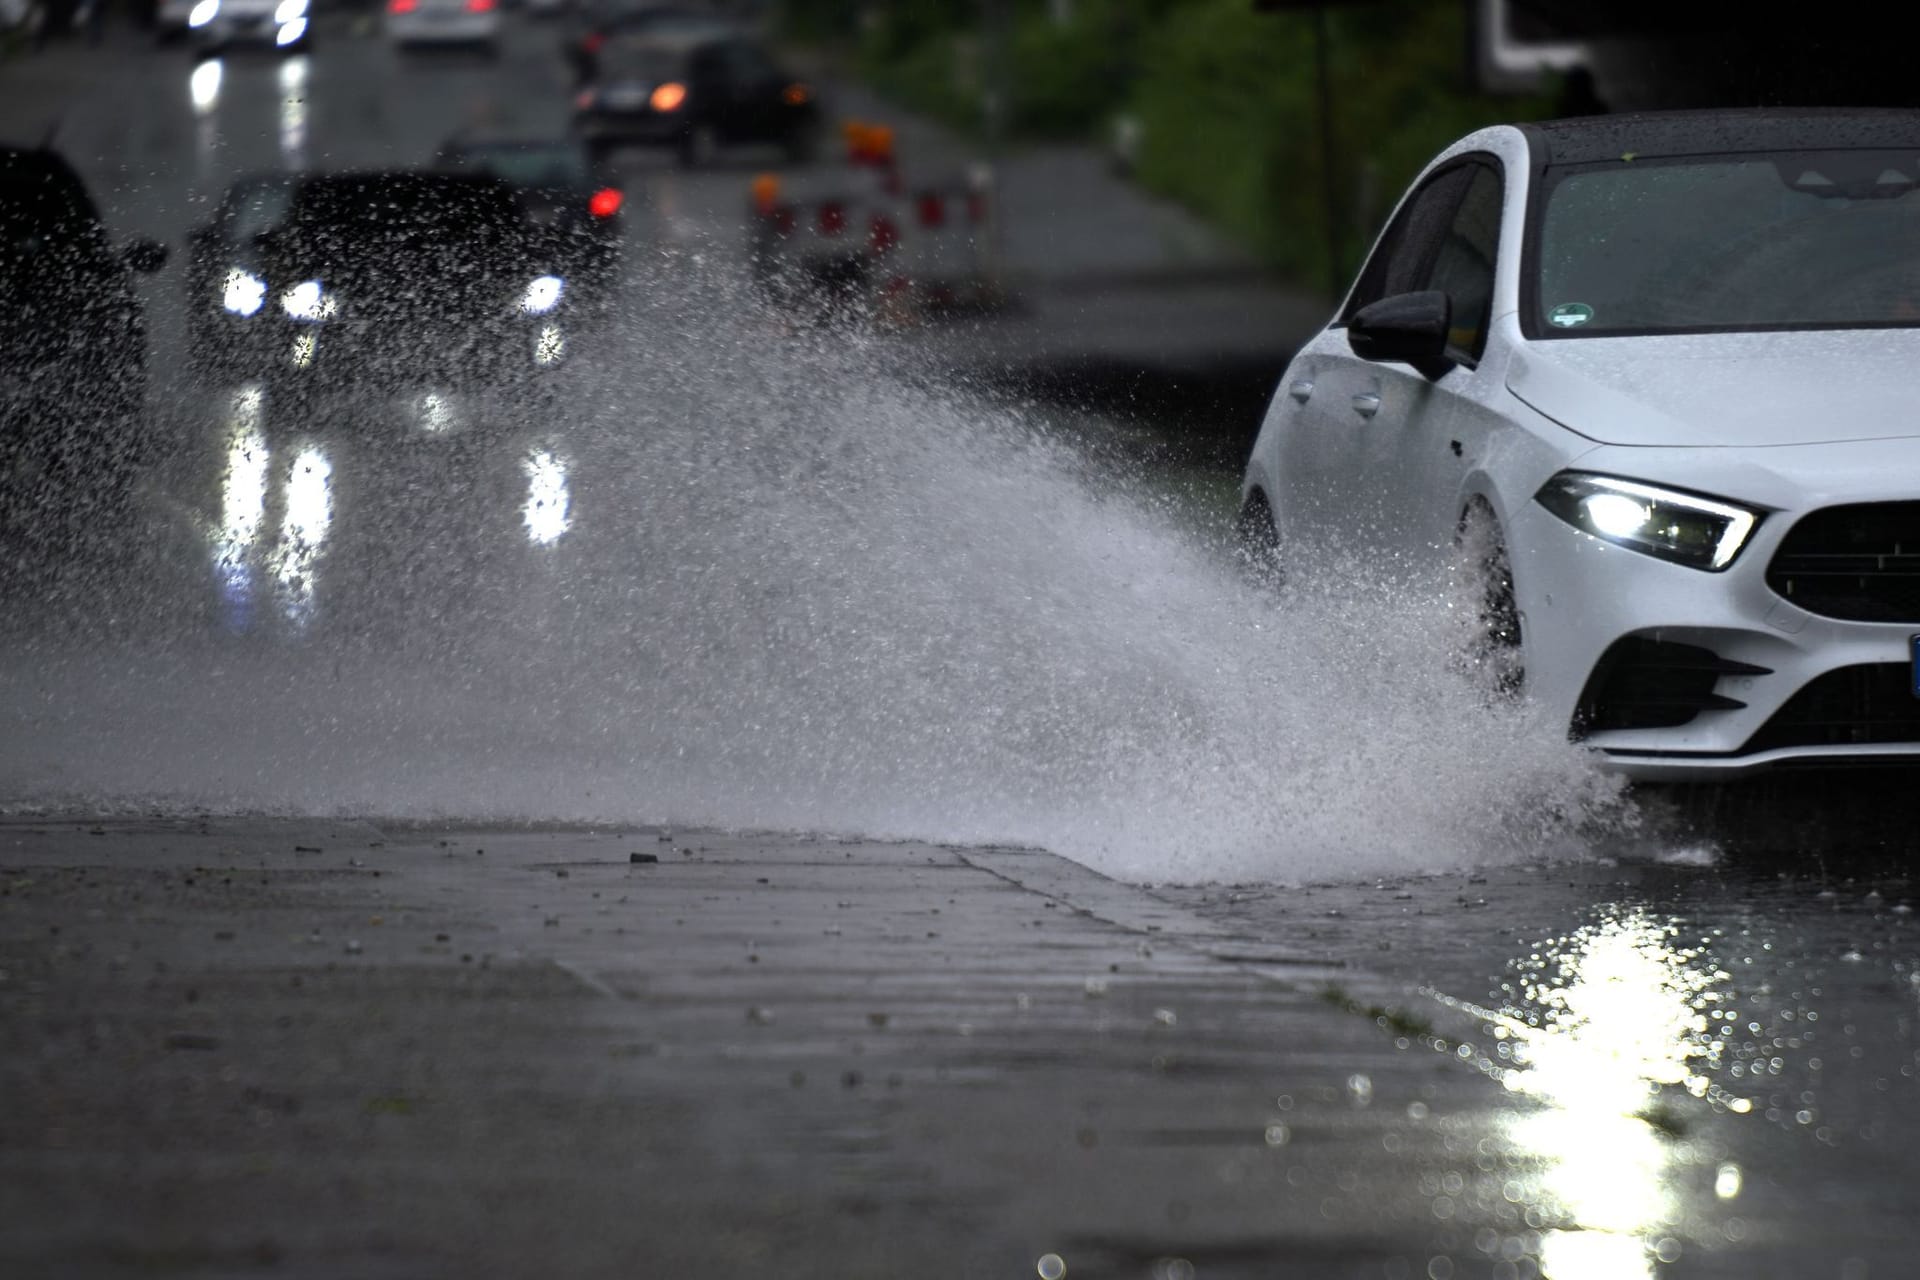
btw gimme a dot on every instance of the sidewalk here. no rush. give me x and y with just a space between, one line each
236 1047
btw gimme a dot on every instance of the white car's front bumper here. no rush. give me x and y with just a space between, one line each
1811 688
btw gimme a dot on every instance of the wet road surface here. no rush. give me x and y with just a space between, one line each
300 1047
727 572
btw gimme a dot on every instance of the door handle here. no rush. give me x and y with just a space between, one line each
1301 390
1366 405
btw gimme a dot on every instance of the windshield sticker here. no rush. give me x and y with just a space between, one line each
1570 315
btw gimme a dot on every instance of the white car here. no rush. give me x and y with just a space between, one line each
1649 381
421 22
217 24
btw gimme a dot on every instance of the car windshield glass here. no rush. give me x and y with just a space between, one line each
258 207
636 60
1792 240
528 166
453 208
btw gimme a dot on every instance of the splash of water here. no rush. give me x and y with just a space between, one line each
789 586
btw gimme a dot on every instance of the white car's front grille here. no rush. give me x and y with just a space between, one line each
1858 562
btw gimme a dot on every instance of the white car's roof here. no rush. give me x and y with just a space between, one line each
1591 139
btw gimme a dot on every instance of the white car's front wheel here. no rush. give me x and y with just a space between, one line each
1491 652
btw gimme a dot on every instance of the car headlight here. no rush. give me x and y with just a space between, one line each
289 10
203 13
1685 528
243 292
542 295
308 301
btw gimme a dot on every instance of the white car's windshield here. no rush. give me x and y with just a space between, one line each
1798 240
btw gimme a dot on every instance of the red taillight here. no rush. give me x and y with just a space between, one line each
833 218
605 202
591 42
402 6
883 236
480 6
932 209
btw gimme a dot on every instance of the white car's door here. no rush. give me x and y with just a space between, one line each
1303 458
1353 450
1429 433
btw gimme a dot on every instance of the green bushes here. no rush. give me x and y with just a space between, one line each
1224 100
1230 119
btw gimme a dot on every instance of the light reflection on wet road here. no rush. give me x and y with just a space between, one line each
1706 1062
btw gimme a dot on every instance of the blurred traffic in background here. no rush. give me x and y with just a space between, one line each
1129 211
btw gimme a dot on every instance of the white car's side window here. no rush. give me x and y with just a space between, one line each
1464 267
1445 237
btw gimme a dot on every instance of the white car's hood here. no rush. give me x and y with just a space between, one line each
1726 390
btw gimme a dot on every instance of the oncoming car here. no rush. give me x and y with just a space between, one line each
217 24
376 279
566 199
1647 380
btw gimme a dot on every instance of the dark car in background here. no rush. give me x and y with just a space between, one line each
381 278
569 201
594 23
696 94
73 345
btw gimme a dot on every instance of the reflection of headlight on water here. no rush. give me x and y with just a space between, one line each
243 507
203 13
304 347
303 532
293 111
243 293
550 346
244 502
309 501
1606 1019
546 512
204 85
290 31
543 295
308 301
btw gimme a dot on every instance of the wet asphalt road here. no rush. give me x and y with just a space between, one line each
231 1054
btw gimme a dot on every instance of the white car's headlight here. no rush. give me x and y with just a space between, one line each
308 301
1698 532
289 10
542 295
243 292
203 13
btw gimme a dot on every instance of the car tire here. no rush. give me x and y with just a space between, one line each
1491 652
1257 541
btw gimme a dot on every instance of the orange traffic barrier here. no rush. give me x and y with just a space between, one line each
867 143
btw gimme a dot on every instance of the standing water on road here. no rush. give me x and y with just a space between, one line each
731 575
